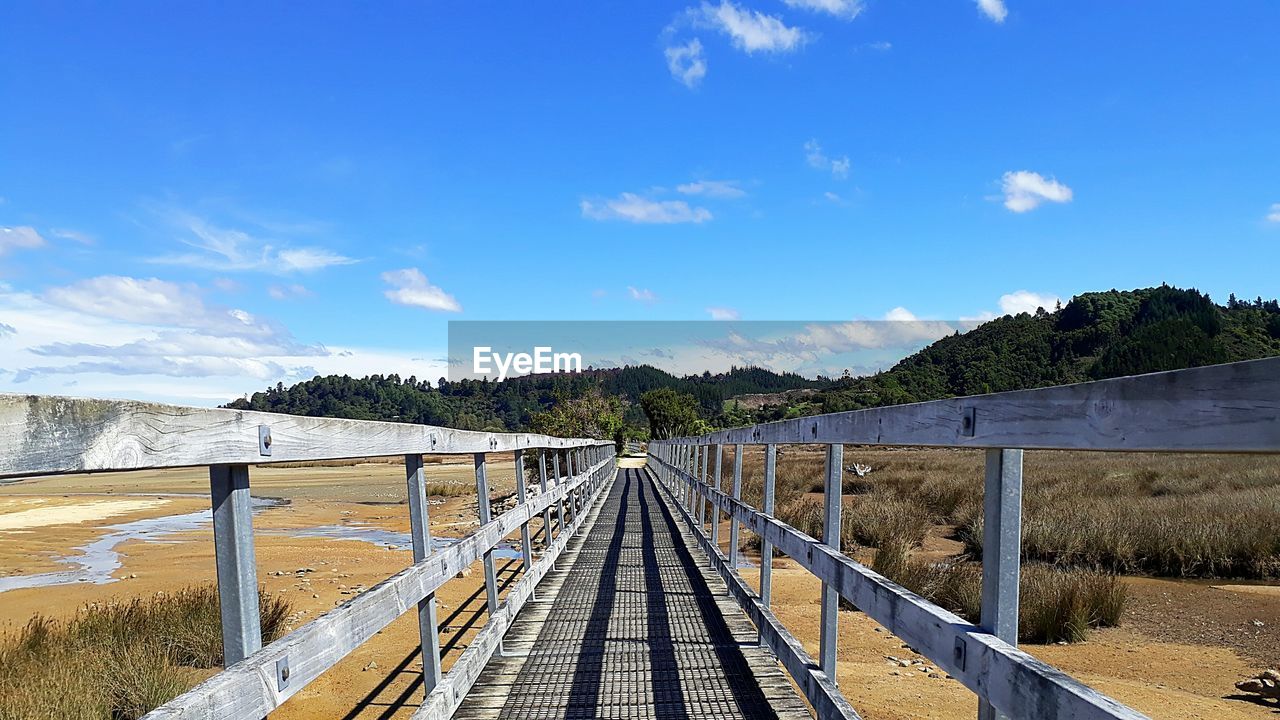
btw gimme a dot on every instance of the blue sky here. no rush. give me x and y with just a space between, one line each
199 200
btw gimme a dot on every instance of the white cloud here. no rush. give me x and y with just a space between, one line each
150 301
634 208
900 314
818 159
846 9
21 237
722 313
410 287
101 330
643 295
75 235
288 292
1025 190
750 30
1274 215
993 9
687 63
227 249
712 188
834 198
1025 301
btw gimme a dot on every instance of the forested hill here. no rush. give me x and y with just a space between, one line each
511 404
1094 336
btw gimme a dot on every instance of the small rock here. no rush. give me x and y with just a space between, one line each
371 666
314 595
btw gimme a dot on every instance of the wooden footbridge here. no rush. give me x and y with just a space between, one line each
635 607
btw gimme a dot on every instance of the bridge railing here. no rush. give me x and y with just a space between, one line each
43 435
1233 408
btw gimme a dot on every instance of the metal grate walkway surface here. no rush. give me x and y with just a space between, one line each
631 625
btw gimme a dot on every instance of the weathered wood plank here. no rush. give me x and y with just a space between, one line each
250 689
1011 680
1221 408
47 435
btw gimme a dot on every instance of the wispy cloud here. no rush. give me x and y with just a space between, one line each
22 237
644 295
410 287
749 30
1025 301
819 160
1025 190
844 9
226 249
631 207
288 292
1274 214
834 198
722 313
73 235
712 188
993 9
687 63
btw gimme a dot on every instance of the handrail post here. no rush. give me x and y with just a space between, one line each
573 494
1001 551
831 537
702 489
715 507
737 495
522 495
420 529
546 511
690 491
555 470
766 547
234 558
482 506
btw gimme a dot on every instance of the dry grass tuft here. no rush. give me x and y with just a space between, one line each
1055 604
117 661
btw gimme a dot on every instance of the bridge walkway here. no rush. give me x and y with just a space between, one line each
631 625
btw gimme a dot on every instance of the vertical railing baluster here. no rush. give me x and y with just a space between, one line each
1001 551
715 507
571 470
420 529
831 492
522 495
766 546
482 504
702 490
555 470
737 495
546 510
234 557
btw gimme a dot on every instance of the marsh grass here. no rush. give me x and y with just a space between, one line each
1175 515
1055 604
117 661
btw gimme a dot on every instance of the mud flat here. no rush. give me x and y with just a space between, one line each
333 531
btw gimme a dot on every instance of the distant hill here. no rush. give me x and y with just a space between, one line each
511 404
1094 336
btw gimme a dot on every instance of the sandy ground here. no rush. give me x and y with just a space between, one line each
1177 655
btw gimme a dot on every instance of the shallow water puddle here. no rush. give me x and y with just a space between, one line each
97 560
